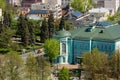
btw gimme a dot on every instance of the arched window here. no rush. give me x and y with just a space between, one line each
63 48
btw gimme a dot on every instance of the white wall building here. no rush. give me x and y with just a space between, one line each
49 5
112 4
59 2
14 2
38 6
0 12
100 14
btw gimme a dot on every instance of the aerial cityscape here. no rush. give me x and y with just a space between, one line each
59 39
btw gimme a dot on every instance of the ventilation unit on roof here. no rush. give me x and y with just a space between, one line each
101 31
90 29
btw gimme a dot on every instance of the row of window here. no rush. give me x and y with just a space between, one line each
84 47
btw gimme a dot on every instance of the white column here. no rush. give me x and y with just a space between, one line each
66 59
90 45
66 56
60 48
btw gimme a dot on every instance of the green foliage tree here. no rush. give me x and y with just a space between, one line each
62 23
115 65
64 74
14 66
52 48
43 68
23 30
31 31
5 37
31 67
1 26
11 10
26 35
82 5
44 31
7 20
51 26
68 25
2 68
115 18
57 22
95 63
2 4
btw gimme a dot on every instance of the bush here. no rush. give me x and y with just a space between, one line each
4 51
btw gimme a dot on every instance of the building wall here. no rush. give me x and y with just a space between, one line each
111 4
38 6
75 48
117 44
0 12
100 3
14 2
27 3
104 46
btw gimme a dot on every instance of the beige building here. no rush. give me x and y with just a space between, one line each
112 5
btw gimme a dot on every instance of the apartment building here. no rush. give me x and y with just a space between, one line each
38 6
62 3
27 3
55 8
112 5
14 2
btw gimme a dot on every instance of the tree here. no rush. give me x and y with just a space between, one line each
2 4
51 26
5 37
62 23
95 63
44 31
11 10
1 26
31 31
82 5
2 68
14 66
31 67
43 68
115 65
68 25
23 30
52 48
7 19
115 18
64 74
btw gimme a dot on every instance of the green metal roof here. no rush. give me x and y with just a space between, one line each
111 33
63 33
